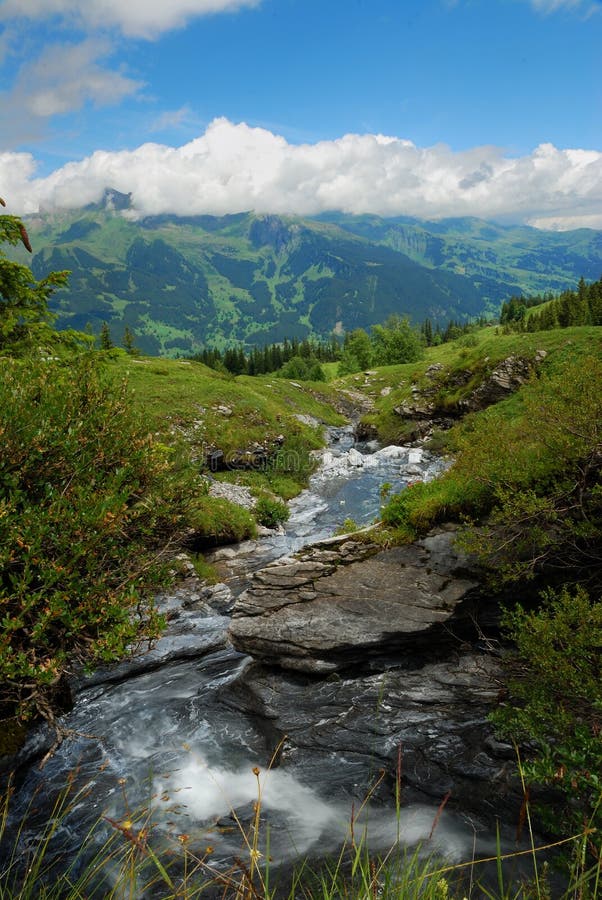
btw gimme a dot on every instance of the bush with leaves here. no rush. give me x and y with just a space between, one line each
271 512
555 702
396 342
88 506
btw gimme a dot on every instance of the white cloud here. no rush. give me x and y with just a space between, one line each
61 80
233 167
135 18
549 6
172 118
65 76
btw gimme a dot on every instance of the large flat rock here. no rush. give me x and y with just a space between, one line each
429 721
333 608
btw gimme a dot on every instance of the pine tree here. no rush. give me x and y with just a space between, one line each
106 341
428 332
128 341
24 314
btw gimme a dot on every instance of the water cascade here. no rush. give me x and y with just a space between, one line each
193 731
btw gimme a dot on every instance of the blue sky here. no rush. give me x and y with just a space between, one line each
489 107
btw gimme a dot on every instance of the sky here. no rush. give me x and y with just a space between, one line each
427 108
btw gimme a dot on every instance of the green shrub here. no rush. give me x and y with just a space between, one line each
348 526
271 512
555 701
216 520
88 505
294 458
301 369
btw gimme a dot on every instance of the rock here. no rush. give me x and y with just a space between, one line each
506 378
429 720
392 452
183 565
385 391
389 604
417 409
235 493
215 460
218 597
365 431
355 458
306 420
222 553
193 635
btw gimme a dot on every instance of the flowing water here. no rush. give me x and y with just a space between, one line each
165 735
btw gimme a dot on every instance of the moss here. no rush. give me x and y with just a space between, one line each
217 521
205 571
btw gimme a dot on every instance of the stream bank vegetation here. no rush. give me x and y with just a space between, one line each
101 481
526 484
104 477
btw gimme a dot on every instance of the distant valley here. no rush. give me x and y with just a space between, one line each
180 284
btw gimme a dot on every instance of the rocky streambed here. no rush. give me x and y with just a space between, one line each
341 671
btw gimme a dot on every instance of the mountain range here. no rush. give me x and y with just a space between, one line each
181 283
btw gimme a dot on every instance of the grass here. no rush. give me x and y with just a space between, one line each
490 347
212 410
546 430
123 858
184 392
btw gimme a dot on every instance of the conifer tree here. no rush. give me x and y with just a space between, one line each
24 314
106 341
128 340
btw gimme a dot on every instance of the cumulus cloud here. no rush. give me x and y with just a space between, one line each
65 76
62 79
134 18
233 167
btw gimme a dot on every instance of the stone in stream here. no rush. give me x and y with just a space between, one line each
426 725
405 688
331 609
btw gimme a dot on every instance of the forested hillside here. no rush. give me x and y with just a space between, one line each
183 284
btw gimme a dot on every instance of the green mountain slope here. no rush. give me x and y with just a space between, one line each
181 283
536 261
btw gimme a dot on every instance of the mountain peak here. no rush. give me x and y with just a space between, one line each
112 200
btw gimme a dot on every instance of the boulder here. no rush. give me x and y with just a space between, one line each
505 379
426 725
325 611
355 459
423 405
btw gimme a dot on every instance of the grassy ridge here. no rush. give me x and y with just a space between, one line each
478 354
211 410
